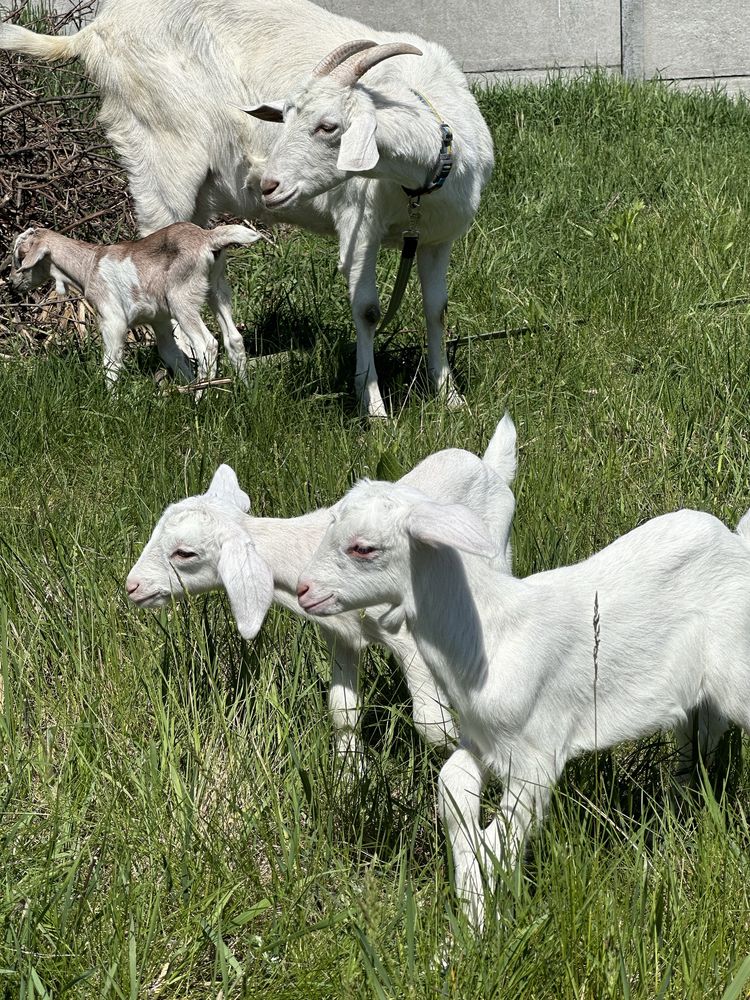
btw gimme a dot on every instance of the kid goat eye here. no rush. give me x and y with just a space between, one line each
183 554
363 551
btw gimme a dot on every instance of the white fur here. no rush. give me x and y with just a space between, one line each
265 556
162 280
172 77
515 657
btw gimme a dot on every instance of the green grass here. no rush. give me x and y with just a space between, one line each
173 823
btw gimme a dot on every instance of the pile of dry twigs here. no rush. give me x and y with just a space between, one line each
56 170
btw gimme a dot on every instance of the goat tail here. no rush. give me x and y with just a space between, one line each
743 528
232 236
14 38
500 453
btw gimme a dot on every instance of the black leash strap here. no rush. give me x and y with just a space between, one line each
408 253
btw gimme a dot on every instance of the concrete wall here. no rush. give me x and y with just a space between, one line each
510 38
693 42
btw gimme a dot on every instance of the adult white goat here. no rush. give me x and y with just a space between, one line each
167 275
209 542
173 75
515 656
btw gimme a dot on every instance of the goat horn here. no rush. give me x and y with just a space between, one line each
339 54
349 72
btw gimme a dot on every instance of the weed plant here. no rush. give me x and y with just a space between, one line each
173 822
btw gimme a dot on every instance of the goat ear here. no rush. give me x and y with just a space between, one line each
34 256
359 151
450 524
224 486
248 583
271 112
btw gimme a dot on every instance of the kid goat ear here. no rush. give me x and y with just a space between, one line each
225 486
249 585
450 524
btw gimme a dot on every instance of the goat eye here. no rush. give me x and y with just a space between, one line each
362 551
326 127
183 554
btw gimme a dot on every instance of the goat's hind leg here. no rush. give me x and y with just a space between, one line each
175 359
220 301
432 263
728 692
199 341
698 742
114 331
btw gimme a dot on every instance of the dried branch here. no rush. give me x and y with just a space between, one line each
56 169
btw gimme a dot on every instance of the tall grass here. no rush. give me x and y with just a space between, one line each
173 822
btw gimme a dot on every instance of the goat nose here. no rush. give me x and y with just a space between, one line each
131 587
268 186
302 588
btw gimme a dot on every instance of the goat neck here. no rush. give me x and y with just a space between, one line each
72 262
286 545
455 606
408 152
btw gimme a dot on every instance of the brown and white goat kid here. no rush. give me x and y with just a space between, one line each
159 280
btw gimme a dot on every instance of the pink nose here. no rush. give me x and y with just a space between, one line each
302 588
131 587
268 186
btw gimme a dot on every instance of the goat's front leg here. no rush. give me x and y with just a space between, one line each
523 798
357 263
344 703
432 717
460 785
432 264
220 301
114 331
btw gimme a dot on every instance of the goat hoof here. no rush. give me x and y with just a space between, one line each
351 757
373 408
453 399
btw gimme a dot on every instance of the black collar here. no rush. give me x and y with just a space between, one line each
444 161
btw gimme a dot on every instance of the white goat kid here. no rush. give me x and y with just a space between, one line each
515 656
161 278
210 542
172 77
355 148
